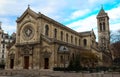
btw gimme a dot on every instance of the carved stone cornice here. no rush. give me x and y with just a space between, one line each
26 43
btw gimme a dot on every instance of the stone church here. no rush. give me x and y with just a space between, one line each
43 43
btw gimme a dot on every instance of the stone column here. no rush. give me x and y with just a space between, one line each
36 58
16 59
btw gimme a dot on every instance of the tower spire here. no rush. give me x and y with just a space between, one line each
101 6
101 12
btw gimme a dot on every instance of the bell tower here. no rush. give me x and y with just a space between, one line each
103 30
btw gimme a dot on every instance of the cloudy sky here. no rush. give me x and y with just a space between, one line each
79 15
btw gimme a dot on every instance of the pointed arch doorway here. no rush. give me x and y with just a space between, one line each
12 56
46 63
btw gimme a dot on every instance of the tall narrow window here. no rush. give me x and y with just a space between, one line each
55 33
76 40
79 41
103 26
62 35
3 45
66 37
2 56
85 42
100 27
71 39
46 30
2 51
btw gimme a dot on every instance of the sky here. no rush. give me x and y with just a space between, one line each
79 15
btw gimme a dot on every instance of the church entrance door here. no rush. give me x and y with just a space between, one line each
11 63
46 63
26 62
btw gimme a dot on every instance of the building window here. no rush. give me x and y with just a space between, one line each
103 41
55 33
71 39
79 41
2 56
2 61
66 37
62 35
100 27
85 42
76 40
103 26
3 45
46 30
2 51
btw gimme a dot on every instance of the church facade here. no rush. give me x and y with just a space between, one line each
43 43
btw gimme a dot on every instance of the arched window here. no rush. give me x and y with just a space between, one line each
67 37
76 40
103 26
46 30
62 35
100 27
71 39
85 42
55 33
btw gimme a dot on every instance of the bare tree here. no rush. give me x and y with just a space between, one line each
115 36
115 46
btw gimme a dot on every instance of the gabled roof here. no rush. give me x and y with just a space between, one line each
28 11
92 32
88 33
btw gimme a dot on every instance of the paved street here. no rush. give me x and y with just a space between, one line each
37 73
